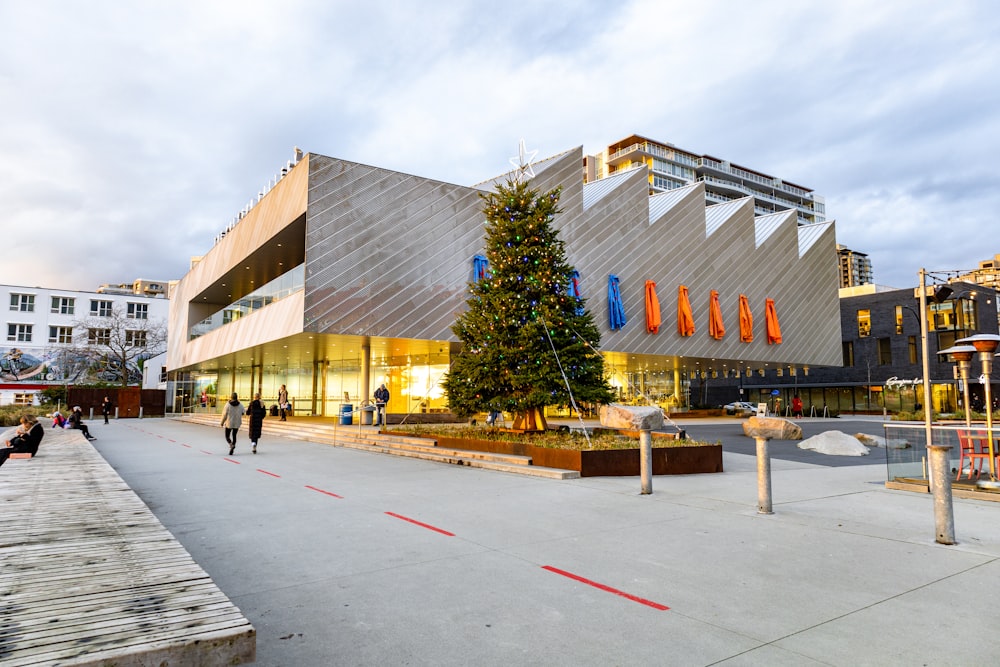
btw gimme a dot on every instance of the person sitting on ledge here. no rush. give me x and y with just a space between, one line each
76 421
29 436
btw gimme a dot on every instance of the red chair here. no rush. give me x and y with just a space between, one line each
972 446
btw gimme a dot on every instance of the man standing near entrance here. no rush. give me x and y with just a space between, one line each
381 398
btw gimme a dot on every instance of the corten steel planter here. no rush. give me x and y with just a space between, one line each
682 460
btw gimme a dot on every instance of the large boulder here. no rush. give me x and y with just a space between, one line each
632 417
835 443
774 428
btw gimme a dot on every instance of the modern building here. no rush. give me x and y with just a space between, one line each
668 167
882 352
988 274
855 267
344 276
138 286
46 329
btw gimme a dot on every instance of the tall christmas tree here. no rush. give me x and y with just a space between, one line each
525 337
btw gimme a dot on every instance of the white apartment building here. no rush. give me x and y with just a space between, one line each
670 167
44 328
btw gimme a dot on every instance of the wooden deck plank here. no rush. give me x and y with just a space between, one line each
89 576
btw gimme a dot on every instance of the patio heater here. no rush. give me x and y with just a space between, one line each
986 346
962 354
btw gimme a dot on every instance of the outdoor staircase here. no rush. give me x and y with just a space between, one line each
369 439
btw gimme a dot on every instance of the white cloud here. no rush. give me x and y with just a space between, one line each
134 132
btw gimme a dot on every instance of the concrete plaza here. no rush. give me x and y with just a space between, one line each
343 557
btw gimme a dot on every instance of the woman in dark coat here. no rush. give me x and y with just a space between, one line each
257 413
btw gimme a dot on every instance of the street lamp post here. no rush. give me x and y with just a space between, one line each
925 359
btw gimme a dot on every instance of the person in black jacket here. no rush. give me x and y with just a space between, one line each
257 412
106 408
381 399
29 436
76 421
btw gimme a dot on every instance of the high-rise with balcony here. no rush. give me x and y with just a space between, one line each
855 267
670 167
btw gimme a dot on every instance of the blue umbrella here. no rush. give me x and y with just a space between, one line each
616 312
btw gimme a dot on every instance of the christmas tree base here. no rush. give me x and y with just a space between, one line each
532 421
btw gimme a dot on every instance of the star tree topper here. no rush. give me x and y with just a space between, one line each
522 163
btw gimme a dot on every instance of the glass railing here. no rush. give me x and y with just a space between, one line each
284 285
906 452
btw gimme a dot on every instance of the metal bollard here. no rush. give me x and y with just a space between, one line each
763 477
944 515
140 412
91 414
646 460
116 412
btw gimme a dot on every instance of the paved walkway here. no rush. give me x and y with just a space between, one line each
342 557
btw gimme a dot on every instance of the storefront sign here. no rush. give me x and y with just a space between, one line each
896 383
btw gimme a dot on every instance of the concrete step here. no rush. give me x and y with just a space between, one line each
368 439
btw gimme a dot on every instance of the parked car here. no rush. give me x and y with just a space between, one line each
740 408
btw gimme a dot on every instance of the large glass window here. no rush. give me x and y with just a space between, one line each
19 333
138 311
885 352
135 338
63 305
279 288
98 336
24 303
864 323
60 334
899 319
911 344
99 308
848 350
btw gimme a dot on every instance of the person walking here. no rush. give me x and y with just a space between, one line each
257 411
106 408
232 419
796 406
283 401
381 398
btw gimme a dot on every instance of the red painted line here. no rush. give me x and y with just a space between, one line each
422 525
633 598
313 488
209 453
184 444
226 458
268 473
171 440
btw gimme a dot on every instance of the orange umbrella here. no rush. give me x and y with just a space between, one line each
685 320
652 308
715 327
773 329
746 320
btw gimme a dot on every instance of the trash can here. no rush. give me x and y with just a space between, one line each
346 414
274 410
366 415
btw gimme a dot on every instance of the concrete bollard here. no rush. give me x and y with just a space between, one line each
140 412
763 477
944 515
116 412
646 460
92 414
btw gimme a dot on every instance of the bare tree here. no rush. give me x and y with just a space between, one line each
117 341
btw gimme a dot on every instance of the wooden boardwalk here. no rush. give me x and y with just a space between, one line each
89 576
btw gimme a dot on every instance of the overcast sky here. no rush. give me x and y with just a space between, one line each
132 133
